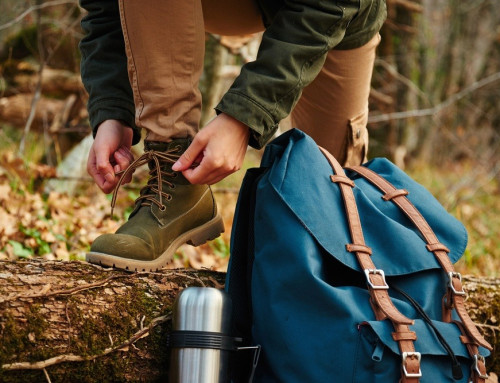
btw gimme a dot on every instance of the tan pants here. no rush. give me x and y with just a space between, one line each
165 43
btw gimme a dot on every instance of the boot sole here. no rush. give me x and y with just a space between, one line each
195 237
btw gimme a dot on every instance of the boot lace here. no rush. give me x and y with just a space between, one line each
157 177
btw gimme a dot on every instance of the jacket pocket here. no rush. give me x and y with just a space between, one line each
379 360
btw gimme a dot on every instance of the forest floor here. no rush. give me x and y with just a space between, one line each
37 222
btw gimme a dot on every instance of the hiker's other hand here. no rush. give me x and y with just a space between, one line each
110 153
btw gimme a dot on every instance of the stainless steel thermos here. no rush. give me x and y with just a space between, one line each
200 342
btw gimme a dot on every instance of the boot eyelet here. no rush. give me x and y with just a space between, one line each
174 174
172 186
169 197
163 208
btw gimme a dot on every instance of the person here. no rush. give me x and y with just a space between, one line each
141 64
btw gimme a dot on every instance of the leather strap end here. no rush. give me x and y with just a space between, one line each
394 193
437 247
466 339
342 179
353 248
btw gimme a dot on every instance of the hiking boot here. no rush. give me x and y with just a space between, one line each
168 213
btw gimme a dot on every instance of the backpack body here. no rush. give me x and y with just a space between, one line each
301 294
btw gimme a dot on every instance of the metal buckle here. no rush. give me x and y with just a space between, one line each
380 272
477 358
256 356
451 275
419 358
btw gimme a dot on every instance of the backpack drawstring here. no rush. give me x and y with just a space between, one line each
455 367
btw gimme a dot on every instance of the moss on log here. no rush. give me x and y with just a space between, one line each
75 322
483 305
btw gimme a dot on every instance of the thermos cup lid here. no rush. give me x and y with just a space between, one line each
202 309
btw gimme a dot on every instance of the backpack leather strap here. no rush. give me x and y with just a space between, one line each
478 369
455 296
375 278
377 286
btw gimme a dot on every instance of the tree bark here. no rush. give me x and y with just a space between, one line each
75 322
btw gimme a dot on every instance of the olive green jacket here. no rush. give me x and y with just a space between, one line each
299 34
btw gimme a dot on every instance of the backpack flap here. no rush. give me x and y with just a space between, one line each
397 246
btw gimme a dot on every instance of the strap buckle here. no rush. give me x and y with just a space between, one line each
479 358
454 274
380 272
405 371
255 361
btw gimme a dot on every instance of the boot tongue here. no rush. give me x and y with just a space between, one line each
160 146
176 147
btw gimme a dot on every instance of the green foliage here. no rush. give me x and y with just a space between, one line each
132 196
20 250
43 246
219 247
471 195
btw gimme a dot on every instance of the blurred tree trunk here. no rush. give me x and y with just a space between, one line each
432 64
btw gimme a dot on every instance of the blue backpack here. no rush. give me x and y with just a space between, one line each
347 276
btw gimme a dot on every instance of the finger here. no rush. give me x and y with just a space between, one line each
126 153
123 159
103 165
214 180
92 169
99 179
204 175
102 183
189 157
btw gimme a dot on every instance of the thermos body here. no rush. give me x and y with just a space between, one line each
204 311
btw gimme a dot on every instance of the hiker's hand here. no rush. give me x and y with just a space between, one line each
110 153
217 151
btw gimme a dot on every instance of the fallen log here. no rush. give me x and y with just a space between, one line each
16 109
55 82
75 322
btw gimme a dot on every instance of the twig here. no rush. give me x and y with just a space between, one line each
38 89
47 375
436 109
66 292
78 358
391 70
34 8
488 326
196 278
43 62
481 280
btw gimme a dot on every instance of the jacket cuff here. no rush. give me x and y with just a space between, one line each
253 115
112 110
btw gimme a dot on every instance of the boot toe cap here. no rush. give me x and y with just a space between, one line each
123 246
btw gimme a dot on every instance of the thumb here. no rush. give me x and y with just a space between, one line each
192 154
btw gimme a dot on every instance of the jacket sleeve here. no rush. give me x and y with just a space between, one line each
293 51
104 66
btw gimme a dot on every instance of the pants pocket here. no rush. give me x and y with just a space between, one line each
356 149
